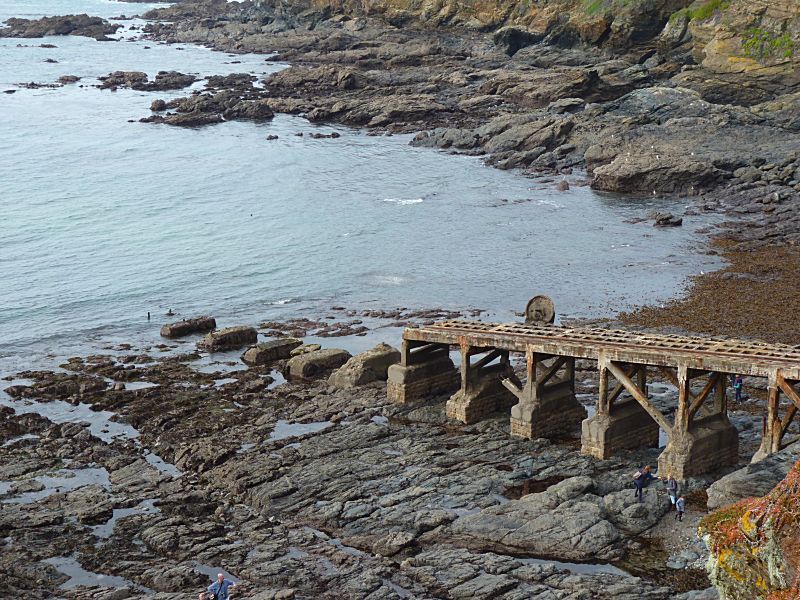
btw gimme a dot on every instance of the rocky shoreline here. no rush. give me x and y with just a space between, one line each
157 469
160 469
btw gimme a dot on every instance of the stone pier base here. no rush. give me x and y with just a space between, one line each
482 397
628 426
435 376
711 444
556 411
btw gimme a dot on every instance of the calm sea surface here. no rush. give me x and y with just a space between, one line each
104 219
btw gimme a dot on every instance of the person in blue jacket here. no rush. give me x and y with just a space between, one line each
737 387
220 589
640 481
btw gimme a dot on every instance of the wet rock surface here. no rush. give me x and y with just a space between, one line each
136 80
302 489
82 25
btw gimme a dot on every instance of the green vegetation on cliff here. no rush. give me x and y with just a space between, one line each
700 10
763 45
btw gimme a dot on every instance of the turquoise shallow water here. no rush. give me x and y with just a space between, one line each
105 219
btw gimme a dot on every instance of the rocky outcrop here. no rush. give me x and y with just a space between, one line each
229 338
82 25
137 80
755 544
366 367
568 521
753 480
188 327
315 364
270 351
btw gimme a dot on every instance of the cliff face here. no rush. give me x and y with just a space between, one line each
563 22
755 545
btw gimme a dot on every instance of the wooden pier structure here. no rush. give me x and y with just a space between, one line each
700 438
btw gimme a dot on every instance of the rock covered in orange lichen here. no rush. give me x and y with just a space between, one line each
755 544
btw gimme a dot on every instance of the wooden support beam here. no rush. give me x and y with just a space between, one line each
551 370
620 388
669 375
786 422
638 395
788 389
512 387
490 356
701 397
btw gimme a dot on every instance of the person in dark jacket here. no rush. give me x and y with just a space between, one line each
640 481
737 387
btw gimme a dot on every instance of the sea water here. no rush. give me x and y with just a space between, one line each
105 219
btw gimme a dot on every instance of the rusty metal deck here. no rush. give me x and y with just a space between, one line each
709 354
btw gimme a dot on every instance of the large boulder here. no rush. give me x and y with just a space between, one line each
569 521
189 326
267 352
228 339
753 480
314 364
366 367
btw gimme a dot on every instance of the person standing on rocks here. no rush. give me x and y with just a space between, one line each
680 507
220 589
672 490
737 387
640 481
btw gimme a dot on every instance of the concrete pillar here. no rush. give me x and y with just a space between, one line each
482 391
547 407
626 425
707 445
424 371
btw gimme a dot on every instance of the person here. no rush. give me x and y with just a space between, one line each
737 387
672 490
680 507
640 481
221 587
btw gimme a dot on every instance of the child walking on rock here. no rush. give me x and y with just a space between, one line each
680 507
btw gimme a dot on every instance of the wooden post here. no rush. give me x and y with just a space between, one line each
721 397
684 395
465 367
602 396
772 434
641 379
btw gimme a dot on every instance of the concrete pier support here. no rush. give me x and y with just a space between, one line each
547 405
626 426
702 439
424 370
482 391
710 444
621 425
